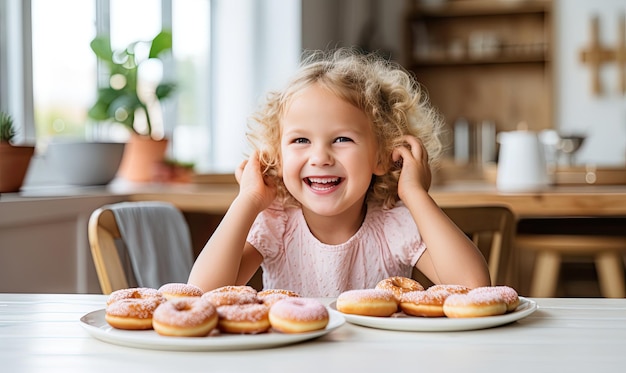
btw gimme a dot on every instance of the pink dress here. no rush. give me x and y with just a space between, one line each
387 244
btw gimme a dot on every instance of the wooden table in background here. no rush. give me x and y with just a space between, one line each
557 201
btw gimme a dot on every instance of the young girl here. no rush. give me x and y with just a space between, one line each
335 193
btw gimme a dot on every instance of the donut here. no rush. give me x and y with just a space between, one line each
450 289
423 303
367 302
132 308
510 295
399 285
226 298
185 317
174 289
478 304
249 318
271 296
236 289
298 315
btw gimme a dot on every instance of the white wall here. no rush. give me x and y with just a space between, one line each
601 118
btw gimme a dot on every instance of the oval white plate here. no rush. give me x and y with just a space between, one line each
403 322
95 324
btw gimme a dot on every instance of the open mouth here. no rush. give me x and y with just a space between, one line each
323 183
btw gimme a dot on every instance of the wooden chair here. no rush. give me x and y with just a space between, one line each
110 252
103 233
492 229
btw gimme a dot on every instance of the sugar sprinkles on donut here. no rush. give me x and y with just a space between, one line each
132 309
432 302
185 317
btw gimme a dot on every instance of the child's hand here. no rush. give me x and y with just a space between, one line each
253 185
415 172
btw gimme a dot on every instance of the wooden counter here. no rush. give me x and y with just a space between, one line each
557 201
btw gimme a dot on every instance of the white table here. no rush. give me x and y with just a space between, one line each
42 332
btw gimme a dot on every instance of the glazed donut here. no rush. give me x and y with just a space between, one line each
185 317
173 290
423 303
367 302
298 315
271 296
474 305
133 308
450 289
249 318
399 285
226 298
510 296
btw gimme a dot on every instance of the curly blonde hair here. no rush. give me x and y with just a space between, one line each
389 95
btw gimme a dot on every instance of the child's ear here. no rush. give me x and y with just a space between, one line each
380 169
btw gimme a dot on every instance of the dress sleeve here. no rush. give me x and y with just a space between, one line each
405 241
266 234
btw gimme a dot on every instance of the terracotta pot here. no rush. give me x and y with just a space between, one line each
142 156
14 162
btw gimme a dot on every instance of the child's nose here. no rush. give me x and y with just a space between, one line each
320 156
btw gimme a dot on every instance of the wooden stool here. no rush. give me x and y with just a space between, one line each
607 252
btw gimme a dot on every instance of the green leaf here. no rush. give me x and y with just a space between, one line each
163 90
101 46
161 43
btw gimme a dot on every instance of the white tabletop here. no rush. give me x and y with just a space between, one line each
42 332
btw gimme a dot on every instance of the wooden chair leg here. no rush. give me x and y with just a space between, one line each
546 274
611 274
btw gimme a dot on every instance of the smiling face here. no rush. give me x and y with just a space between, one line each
328 153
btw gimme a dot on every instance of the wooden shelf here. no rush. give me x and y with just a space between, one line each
484 60
423 62
474 8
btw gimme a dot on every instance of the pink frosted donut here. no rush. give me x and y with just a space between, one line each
175 289
451 289
271 296
249 318
510 296
423 303
225 298
236 289
367 302
185 317
474 305
298 315
132 309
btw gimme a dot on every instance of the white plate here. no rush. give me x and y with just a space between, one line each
96 326
404 322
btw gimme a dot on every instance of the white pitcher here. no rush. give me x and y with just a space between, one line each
521 162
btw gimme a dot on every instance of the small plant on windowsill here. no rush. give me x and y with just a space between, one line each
126 99
14 159
7 131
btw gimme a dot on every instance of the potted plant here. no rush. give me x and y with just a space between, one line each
125 99
14 159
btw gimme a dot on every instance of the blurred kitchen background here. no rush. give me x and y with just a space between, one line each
488 65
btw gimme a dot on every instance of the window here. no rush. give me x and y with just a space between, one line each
226 55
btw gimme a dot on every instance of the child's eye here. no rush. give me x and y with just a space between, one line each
300 140
343 139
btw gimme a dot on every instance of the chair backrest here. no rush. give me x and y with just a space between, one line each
492 229
103 233
145 243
